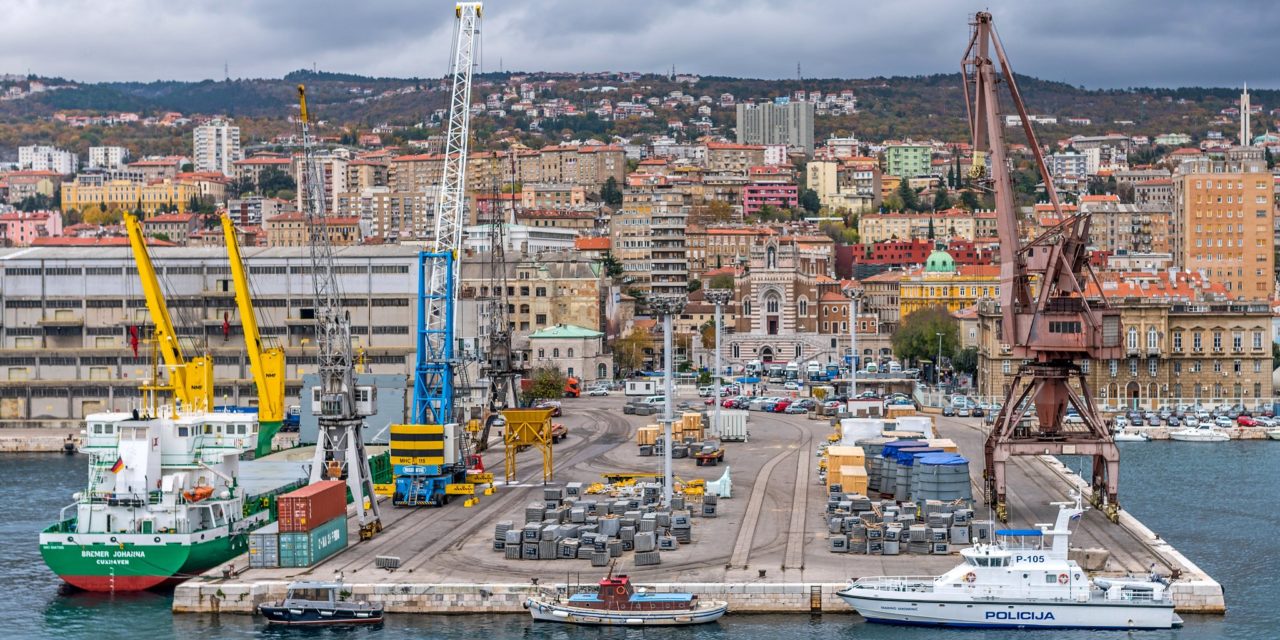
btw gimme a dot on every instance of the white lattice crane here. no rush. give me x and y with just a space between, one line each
338 404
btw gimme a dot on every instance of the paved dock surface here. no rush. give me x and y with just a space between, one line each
771 532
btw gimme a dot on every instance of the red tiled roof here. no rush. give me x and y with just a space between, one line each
592 244
169 217
108 241
832 296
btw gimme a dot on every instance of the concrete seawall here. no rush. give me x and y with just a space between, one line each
48 440
198 597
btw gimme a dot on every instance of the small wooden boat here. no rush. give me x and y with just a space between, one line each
618 603
319 603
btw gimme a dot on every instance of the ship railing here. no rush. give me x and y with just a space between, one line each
906 584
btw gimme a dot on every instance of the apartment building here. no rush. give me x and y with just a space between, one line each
46 158
216 146
1223 223
908 160
782 122
107 157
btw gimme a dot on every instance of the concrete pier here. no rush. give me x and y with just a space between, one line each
49 440
765 552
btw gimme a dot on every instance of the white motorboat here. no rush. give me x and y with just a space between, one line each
1274 434
1202 433
1130 435
1022 580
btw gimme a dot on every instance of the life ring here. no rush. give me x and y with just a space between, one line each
1063 578
971 578
619 590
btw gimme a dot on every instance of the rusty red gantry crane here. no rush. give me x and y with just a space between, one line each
1045 318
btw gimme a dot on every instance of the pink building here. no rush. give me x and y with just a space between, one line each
21 228
781 195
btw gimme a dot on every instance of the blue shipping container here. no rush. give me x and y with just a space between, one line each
304 549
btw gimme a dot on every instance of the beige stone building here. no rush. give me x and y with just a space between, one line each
1185 343
291 230
577 351
952 223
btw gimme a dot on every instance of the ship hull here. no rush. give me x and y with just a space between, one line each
552 612
887 609
135 566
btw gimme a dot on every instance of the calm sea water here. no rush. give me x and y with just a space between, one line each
1215 502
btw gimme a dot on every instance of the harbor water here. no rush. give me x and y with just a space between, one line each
1211 501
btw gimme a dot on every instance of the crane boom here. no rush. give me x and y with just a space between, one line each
434 389
340 407
266 363
191 380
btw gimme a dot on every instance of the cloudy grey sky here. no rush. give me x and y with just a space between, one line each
1096 43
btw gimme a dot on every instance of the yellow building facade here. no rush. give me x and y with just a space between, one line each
943 283
126 194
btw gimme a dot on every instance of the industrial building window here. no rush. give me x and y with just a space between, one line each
1115 368
799 350
735 350
396 329
1062 326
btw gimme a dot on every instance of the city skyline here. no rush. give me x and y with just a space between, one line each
1183 45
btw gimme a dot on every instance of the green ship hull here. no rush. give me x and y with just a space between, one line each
130 566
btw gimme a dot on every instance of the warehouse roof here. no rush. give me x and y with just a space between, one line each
565 331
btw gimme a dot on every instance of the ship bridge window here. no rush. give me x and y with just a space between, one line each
1049 578
184 432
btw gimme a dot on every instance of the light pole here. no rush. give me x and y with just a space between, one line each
937 365
667 306
855 300
718 297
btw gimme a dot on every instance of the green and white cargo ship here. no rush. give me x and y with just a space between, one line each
162 502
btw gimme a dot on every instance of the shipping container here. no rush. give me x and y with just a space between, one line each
264 547
312 505
304 549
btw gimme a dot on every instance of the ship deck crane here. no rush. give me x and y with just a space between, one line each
1046 318
266 362
191 379
423 475
339 405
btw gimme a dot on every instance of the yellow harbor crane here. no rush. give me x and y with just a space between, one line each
266 360
191 379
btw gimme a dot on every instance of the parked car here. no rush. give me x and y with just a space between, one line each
704 392
1120 422
1223 422
948 411
553 405
598 391
792 385
1247 421
1173 421
832 405
1136 421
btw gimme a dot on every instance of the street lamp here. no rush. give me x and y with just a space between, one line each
855 301
718 297
937 364
667 306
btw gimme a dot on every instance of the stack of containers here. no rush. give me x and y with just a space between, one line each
941 476
312 522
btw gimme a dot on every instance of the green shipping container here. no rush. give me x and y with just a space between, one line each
306 549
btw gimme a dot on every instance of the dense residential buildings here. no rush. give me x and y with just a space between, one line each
1118 228
44 158
781 122
292 230
216 146
22 228
951 223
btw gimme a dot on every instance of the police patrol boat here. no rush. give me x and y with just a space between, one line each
1024 579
